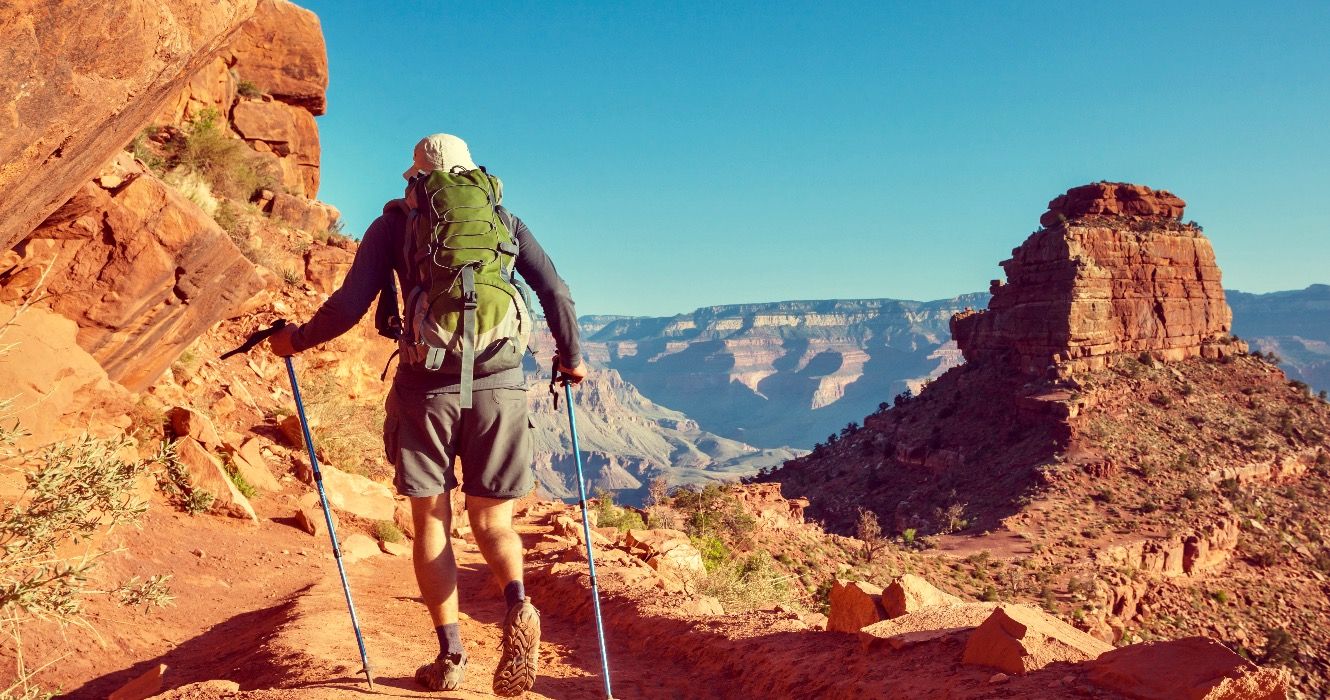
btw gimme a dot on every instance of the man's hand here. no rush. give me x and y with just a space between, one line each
280 342
575 374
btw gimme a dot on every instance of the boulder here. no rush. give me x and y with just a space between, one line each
186 422
199 691
248 459
357 495
146 685
680 558
309 515
140 269
58 389
1017 639
854 605
291 430
326 266
291 136
212 88
206 472
80 79
909 593
1194 668
282 52
925 625
358 547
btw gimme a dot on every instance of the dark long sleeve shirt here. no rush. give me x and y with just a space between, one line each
381 254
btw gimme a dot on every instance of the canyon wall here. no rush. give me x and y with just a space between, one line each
78 81
1114 272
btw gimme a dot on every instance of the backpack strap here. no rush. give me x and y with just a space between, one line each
469 304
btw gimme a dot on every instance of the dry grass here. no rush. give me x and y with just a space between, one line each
348 433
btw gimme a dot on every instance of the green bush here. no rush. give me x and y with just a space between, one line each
712 510
610 515
226 163
242 484
747 584
247 88
714 552
387 531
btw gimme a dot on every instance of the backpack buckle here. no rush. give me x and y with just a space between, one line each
470 300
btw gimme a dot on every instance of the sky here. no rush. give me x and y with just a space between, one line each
673 155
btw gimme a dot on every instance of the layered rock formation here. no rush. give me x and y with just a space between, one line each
77 81
785 373
141 269
1114 272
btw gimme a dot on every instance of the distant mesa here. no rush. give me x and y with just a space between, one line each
1113 271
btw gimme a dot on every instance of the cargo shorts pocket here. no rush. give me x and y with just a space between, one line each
391 422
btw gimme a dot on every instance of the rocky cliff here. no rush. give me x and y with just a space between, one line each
1102 409
1294 325
77 81
785 373
1114 272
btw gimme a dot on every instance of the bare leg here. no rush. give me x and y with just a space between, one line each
432 555
492 524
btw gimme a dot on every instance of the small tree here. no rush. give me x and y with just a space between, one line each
869 531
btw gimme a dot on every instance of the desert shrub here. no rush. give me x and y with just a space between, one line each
195 188
79 489
1280 647
387 531
714 552
747 584
869 532
242 484
247 88
173 480
610 515
347 433
712 510
951 519
228 165
140 149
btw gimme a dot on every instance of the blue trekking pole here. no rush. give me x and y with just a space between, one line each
557 376
318 482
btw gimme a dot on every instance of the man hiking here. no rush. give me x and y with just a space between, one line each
459 390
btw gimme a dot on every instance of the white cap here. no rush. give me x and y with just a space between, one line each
440 152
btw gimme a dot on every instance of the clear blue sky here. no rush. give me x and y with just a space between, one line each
671 155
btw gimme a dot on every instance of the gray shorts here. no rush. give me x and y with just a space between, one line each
424 431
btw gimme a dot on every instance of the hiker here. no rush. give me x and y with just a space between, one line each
447 400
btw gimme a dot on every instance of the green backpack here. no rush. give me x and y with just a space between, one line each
464 311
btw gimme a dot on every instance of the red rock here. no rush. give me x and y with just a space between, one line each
282 52
1083 291
910 593
248 459
657 541
357 547
854 605
1194 668
925 625
58 389
326 267
1113 199
144 686
186 422
1018 639
126 59
206 472
288 133
212 88
766 504
141 270
309 515
357 495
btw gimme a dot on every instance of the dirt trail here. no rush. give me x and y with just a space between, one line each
300 645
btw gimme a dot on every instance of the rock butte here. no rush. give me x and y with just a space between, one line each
1114 272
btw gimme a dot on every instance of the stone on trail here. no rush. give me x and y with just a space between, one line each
925 625
358 546
145 686
309 515
397 549
1196 668
683 557
854 605
206 472
186 422
248 460
1017 639
357 495
910 593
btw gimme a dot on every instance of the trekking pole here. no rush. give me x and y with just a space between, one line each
557 376
253 340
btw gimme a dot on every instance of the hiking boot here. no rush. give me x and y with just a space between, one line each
521 649
444 673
